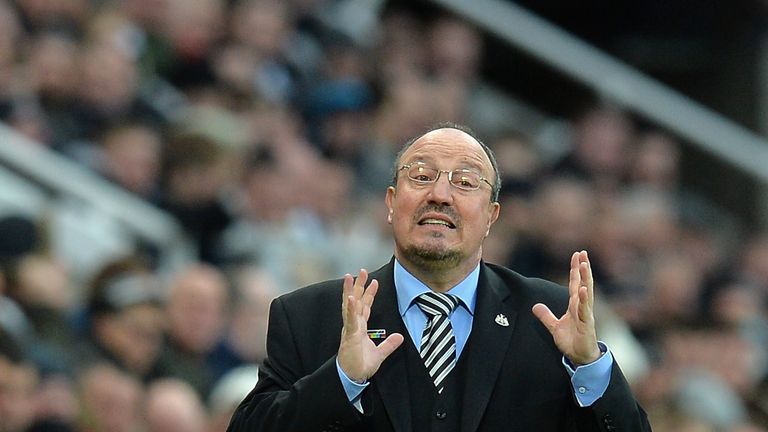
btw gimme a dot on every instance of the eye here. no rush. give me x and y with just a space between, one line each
422 174
466 180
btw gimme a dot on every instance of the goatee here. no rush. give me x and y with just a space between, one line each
432 259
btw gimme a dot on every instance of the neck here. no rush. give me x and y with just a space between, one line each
437 278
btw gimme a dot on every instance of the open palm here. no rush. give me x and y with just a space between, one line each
359 357
574 333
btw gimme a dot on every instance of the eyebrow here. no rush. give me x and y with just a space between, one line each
466 164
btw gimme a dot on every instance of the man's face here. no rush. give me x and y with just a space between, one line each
437 225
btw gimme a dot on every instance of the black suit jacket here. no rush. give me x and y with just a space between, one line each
515 378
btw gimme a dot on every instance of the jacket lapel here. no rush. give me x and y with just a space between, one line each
489 342
391 378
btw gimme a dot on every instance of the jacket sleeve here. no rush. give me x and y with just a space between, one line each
289 398
617 410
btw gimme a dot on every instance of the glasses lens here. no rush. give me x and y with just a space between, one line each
463 179
422 174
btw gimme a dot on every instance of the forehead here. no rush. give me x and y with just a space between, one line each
447 145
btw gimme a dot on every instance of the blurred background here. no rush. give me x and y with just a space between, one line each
167 167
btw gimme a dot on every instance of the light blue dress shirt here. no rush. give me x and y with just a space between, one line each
589 381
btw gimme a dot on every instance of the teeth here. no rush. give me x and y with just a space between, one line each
436 222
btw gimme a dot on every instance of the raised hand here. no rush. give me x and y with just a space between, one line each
574 333
359 357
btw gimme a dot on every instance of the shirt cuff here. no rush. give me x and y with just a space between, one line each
590 381
353 389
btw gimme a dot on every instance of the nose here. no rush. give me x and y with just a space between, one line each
441 191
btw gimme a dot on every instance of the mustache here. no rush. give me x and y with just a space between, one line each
438 208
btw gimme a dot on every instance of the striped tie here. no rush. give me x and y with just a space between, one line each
438 345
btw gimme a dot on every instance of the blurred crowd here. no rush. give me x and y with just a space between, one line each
270 136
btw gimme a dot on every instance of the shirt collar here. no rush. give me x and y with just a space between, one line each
408 288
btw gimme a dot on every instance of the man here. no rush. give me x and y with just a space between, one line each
197 307
125 320
501 361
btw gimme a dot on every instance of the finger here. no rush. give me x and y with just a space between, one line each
370 293
347 287
346 292
574 278
573 301
574 282
368 297
351 323
585 272
361 323
359 287
545 315
390 344
584 305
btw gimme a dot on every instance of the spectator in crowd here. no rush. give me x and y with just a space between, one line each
52 77
228 393
18 238
556 232
111 400
601 139
272 76
131 158
57 403
173 405
41 287
338 112
191 31
108 91
196 310
754 261
12 34
193 177
454 49
244 341
125 320
655 162
673 290
521 166
18 380
69 15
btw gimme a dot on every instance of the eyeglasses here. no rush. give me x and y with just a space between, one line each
463 179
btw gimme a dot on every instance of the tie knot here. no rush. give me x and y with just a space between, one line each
434 303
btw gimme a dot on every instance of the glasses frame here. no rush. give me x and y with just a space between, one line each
440 172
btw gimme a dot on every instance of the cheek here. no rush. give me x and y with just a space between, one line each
400 221
403 209
478 219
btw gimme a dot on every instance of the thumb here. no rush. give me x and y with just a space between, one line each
542 312
390 344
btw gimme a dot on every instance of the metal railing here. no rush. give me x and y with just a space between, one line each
60 176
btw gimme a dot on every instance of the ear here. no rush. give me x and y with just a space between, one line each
495 208
389 199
